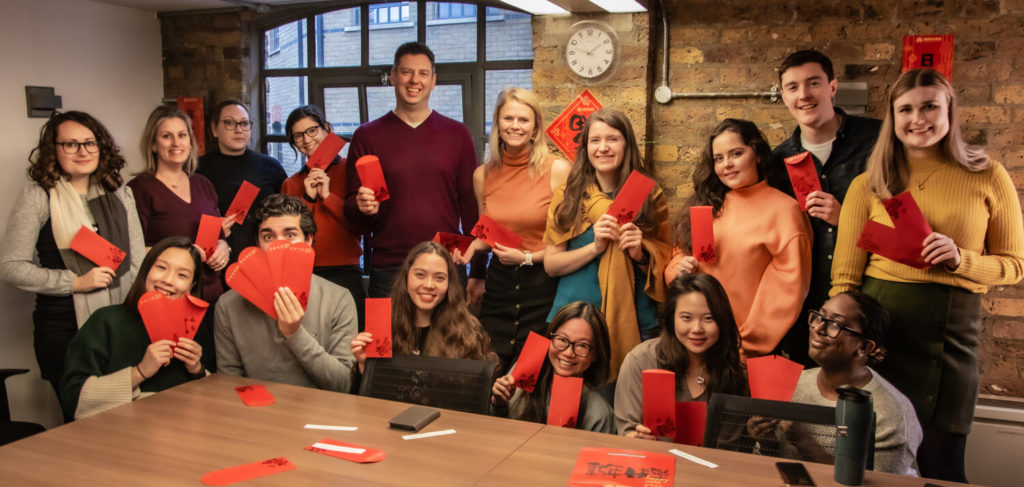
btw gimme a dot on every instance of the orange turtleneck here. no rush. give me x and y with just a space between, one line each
518 201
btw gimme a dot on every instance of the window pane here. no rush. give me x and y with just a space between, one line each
447 100
451 31
338 40
395 26
341 105
286 46
494 82
509 35
379 100
284 94
291 160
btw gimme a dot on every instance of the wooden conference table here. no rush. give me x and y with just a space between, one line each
176 436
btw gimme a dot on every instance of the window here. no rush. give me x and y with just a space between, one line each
339 59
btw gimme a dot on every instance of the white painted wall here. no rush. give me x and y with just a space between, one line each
103 59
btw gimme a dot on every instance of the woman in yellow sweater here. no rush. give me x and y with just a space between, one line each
977 241
762 238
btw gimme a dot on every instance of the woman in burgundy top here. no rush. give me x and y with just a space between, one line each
170 198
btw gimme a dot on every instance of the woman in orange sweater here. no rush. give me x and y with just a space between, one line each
762 238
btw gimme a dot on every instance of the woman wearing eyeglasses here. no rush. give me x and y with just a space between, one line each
76 169
337 244
230 162
170 197
579 348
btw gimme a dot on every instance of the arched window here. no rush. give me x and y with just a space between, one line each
339 60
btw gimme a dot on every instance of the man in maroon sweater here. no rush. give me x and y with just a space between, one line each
428 161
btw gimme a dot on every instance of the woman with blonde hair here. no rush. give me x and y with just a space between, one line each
977 241
514 187
170 197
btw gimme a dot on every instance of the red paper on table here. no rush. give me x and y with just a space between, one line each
702 233
170 319
378 323
452 241
371 455
372 176
238 281
298 271
803 176
208 234
255 395
773 377
691 416
564 405
326 152
492 233
602 467
277 254
97 249
243 200
659 402
531 358
631 197
240 473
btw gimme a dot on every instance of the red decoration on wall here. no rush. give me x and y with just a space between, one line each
934 52
567 128
193 107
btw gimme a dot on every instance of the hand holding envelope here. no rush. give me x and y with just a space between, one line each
905 241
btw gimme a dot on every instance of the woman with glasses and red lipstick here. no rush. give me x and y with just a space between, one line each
76 170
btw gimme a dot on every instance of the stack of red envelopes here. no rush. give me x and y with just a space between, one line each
171 319
258 274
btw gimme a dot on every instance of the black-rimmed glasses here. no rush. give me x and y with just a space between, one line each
230 124
73 146
310 133
581 349
832 327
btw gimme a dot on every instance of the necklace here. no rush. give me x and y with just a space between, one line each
920 186
700 379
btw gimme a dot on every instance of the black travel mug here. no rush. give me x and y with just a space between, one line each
854 418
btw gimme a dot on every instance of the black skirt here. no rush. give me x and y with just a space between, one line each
516 301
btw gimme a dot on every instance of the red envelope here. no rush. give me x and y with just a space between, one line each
188 313
378 323
298 271
372 176
885 241
170 319
702 233
277 254
208 234
804 177
371 455
452 241
631 197
246 472
97 249
325 153
564 405
237 280
908 219
531 358
253 263
492 232
602 467
243 200
773 377
659 402
691 416
256 395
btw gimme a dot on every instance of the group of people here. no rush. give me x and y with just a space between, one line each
615 299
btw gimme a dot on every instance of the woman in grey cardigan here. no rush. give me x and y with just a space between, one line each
77 182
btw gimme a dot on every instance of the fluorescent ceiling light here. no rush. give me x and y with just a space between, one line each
619 6
537 7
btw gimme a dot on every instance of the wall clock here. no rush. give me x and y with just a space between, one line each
591 50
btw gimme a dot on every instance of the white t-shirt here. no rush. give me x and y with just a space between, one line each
821 151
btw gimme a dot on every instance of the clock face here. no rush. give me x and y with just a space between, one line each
590 51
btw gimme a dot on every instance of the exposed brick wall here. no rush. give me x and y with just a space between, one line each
735 45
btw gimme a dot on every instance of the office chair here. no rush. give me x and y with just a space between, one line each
11 431
804 431
462 385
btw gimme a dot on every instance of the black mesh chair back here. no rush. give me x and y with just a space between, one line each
774 428
462 385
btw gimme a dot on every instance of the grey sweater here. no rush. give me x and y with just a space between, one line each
318 355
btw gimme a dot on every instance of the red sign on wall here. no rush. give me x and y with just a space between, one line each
934 52
567 129
193 107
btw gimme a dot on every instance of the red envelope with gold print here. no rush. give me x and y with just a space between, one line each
773 377
372 176
238 281
298 271
325 153
97 249
378 323
243 200
564 405
702 233
250 471
492 232
659 402
691 417
631 197
208 234
253 263
370 455
277 254
531 358
452 241
803 175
